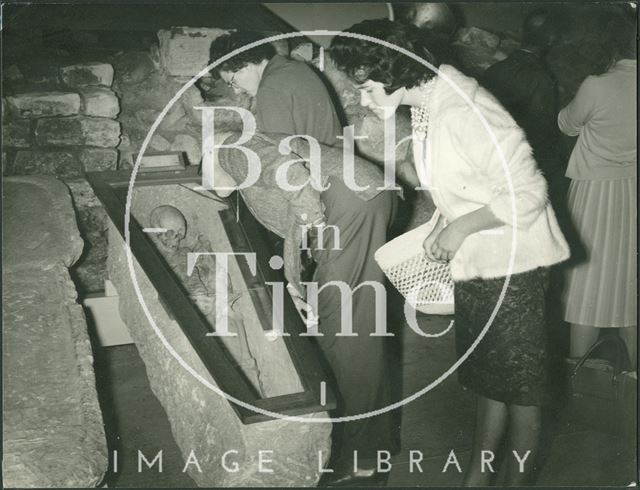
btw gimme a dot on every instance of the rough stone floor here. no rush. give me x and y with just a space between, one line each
434 424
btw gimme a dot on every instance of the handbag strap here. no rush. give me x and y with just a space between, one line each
622 361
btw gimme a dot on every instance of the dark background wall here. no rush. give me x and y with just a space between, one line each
498 16
495 17
53 20
40 40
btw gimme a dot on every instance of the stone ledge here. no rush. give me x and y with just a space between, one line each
100 102
87 74
16 133
98 159
39 225
7 160
59 163
40 104
78 130
82 194
53 431
67 164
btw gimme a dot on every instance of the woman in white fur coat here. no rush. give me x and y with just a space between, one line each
496 229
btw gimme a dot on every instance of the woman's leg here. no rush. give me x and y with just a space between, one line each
629 335
524 436
491 422
582 337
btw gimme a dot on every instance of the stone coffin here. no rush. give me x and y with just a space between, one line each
203 423
53 431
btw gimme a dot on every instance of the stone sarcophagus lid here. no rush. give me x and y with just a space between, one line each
53 433
247 408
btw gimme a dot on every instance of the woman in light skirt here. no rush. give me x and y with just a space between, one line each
601 284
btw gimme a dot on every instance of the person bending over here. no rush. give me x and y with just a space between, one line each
290 98
361 221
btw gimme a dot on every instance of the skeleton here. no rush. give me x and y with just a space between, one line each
200 285
173 222
175 249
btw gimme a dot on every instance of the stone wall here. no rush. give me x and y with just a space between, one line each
145 88
147 81
61 120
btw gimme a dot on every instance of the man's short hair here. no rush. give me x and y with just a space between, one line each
227 43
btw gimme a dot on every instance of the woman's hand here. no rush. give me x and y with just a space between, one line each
304 309
443 242
428 244
445 245
432 237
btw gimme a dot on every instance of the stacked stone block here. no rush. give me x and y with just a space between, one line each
61 120
51 131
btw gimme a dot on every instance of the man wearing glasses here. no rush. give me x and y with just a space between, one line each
290 98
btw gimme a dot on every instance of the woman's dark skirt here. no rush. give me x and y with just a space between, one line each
511 362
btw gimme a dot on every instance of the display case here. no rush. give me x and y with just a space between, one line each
281 374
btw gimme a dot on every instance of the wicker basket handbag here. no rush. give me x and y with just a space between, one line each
427 286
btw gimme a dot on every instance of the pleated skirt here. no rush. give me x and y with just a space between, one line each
601 281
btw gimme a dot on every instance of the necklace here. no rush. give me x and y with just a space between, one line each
420 115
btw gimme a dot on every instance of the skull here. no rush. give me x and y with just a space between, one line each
175 224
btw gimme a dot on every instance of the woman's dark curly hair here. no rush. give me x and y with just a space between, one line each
230 42
363 60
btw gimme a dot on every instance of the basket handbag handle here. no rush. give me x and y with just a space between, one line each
622 361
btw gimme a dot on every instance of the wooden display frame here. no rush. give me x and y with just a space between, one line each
246 236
